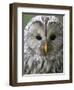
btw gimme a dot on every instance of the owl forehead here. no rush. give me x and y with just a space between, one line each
43 18
49 19
40 20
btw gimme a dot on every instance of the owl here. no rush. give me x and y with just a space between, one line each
43 45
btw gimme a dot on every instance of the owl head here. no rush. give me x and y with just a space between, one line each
44 32
43 37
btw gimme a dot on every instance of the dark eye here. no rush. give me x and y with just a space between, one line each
38 37
52 37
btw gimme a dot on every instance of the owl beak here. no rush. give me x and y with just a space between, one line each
46 48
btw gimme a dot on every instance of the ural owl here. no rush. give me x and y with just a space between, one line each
43 45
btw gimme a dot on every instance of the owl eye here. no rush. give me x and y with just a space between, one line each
52 37
38 37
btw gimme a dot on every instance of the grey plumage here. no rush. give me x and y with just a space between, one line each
35 62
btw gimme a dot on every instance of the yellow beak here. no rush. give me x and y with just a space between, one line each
46 48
